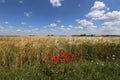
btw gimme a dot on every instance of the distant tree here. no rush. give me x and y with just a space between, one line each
83 35
92 35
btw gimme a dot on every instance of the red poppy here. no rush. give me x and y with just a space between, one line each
67 60
55 59
65 55
75 57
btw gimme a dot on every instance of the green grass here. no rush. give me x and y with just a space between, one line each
81 70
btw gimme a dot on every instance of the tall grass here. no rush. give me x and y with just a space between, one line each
22 58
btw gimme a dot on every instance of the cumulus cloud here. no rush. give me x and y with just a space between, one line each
111 16
97 11
98 5
56 3
116 23
111 19
96 14
111 22
111 27
86 23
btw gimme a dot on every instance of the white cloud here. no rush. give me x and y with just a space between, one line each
53 25
96 14
75 27
56 3
18 30
92 27
6 22
28 14
110 30
78 28
111 24
111 16
97 11
111 20
111 27
63 28
70 26
23 23
84 22
98 5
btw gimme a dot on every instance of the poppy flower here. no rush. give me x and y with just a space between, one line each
75 57
65 55
67 60
55 59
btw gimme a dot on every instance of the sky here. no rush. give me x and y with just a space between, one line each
59 17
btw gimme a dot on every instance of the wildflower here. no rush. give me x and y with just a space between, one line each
55 59
102 64
65 55
117 64
113 55
75 57
67 60
92 61
107 57
97 63
113 58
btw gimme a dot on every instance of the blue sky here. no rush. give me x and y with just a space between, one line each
59 17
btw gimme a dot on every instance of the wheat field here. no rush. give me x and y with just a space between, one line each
39 58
